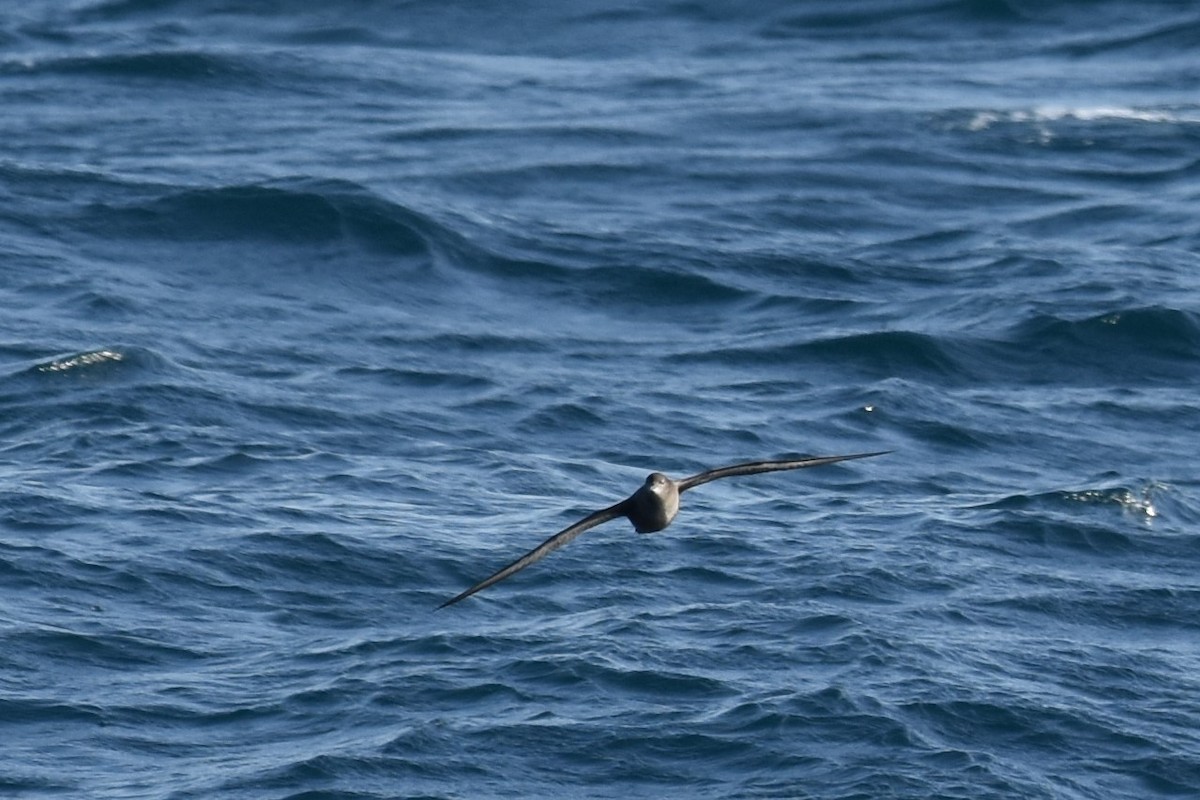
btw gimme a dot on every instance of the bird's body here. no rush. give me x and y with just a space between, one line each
654 504
651 508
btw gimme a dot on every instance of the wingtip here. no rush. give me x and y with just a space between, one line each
449 602
851 456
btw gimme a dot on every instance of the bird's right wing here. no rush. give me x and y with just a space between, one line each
545 548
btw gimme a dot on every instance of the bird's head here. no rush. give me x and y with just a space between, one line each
657 482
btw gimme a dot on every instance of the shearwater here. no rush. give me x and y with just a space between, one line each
651 508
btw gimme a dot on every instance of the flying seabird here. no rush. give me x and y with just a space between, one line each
651 508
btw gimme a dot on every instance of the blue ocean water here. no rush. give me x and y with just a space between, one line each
311 315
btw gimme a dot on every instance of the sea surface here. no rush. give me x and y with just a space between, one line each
314 314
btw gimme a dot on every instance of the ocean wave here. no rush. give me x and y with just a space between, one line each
637 286
1147 143
38 710
909 18
295 212
112 650
114 365
1175 29
883 353
161 65
35 509
1156 342
1070 533
420 378
982 120
338 214
1060 29
79 361
1108 604
1103 520
1136 501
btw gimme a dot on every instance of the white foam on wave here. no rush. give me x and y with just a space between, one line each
982 120
81 360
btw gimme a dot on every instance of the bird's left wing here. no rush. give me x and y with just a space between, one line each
545 548
755 467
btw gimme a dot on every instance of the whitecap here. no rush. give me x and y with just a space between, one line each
85 359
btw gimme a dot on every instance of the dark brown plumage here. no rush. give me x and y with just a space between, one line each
651 508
